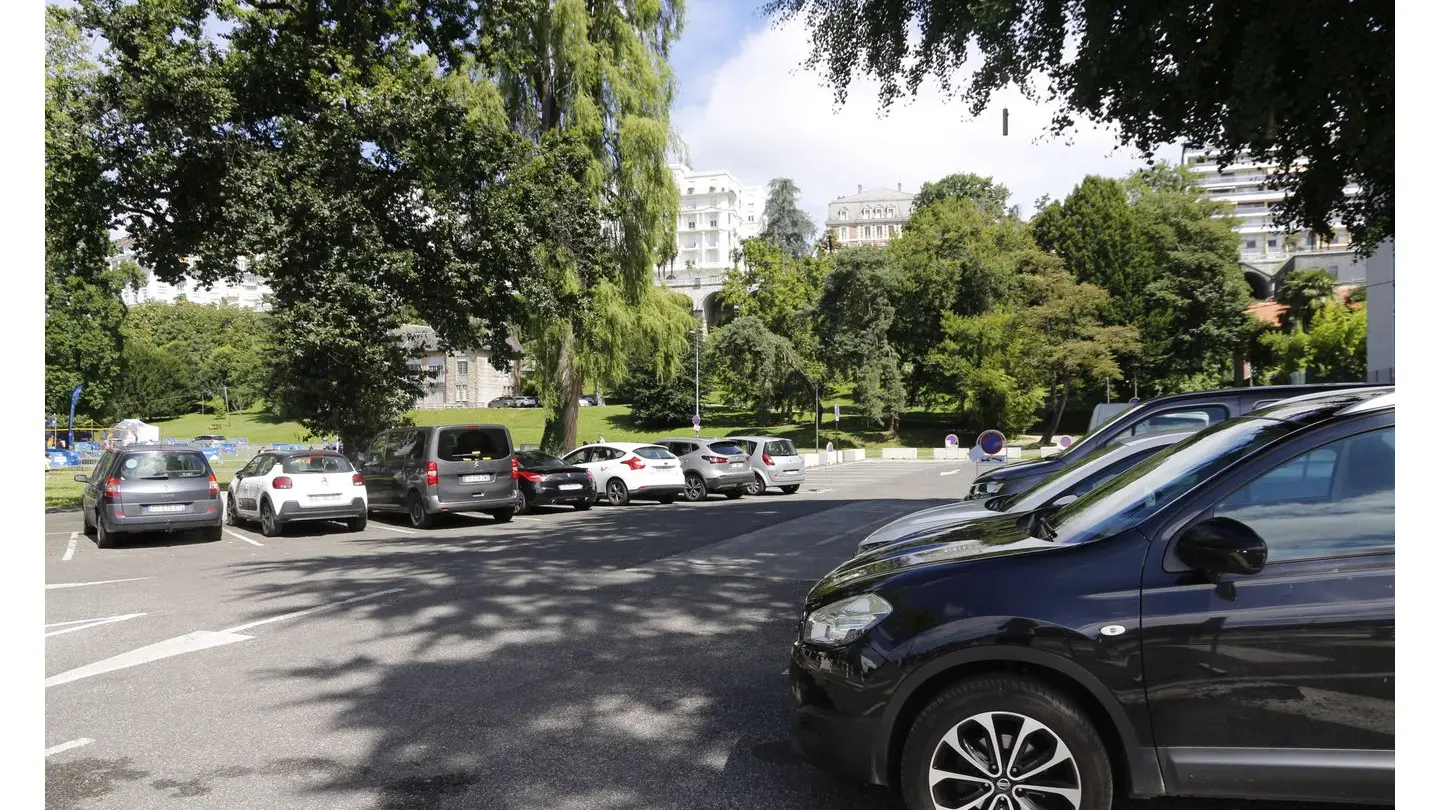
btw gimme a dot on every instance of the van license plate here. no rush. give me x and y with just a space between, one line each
484 478
169 507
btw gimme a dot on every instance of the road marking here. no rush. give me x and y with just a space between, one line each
239 536
70 546
532 519
86 624
188 643
817 491
392 528
950 472
100 582
66 746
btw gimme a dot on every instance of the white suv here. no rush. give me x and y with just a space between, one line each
280 487
625 470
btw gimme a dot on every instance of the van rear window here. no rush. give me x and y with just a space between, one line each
317 464
163 465
473 444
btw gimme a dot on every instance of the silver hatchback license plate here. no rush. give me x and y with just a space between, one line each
483 478
164 508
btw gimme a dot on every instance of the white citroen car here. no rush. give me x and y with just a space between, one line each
286 486
626 471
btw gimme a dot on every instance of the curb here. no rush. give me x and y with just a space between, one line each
55 510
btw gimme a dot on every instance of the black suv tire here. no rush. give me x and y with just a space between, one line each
1014 695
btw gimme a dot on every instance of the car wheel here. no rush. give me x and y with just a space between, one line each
215 534
269 525
734 493
232 514
526 505
357 524
104 538
1006 736
583 505
503 515
89 526
695 489
415 509
790 489
617 493
757 487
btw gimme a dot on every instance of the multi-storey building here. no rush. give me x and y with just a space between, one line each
459 378
250 292
1268 250
871 217
717 213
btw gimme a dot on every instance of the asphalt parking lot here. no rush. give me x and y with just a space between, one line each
620 658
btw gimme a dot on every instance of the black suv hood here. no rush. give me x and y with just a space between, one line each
976 539
1021 469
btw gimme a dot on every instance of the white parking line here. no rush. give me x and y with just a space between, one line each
70 546
86 624
239 536
391 528
950 472
66 746
532 519
100 582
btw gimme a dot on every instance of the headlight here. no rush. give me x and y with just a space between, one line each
842 622
981 488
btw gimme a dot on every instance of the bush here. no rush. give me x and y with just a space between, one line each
656 404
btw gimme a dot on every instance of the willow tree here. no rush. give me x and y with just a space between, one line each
598 70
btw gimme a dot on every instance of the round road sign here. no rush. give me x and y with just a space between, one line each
1134 400
1066 441
991 441
829 447
695 420
951 440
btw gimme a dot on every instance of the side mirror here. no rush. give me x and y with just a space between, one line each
239 474
1222 545
362 458
1065 500
83 478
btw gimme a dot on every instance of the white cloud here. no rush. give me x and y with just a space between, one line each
764 116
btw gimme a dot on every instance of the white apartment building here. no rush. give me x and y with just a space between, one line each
871 217
250 292
717 213
1264 245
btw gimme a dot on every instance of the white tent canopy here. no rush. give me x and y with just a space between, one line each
130 431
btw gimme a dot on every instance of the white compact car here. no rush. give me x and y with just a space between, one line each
286 486
624 471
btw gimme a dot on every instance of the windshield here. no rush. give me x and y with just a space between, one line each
531 460
1131 497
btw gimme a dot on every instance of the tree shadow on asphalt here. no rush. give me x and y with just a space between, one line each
552 665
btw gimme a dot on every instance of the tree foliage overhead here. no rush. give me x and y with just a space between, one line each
1313 85
785 224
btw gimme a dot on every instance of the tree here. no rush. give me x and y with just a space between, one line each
757 369
155 383
658 401
599 72
785 224
1096 233
982 369
221 348
857 309
1331 350
1303 292
988 195
1161 73
83 311
348 149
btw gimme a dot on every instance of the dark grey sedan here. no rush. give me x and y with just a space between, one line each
150 489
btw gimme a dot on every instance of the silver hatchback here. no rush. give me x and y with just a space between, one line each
711 465
773 463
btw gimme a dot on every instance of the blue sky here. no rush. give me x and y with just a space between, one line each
713 33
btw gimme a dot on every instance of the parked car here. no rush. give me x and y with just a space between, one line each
545 479
1192 410
587 401
626 471
1057 489
142 488
502 402
207 440
289 486
711 465
527 402
427 471
1216 621
773 463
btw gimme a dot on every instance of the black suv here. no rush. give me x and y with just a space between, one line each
1190 411
1217 621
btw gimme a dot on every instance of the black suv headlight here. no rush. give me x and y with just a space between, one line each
840 623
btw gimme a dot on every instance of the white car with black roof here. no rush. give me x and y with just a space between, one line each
279 487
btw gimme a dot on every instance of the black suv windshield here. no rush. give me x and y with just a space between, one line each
1131 497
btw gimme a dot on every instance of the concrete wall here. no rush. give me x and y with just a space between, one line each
1380 315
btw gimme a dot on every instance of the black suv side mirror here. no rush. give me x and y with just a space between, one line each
1221 545
83 478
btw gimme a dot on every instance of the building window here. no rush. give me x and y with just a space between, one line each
1272 243
690 190
844 213
691 223
1249 244
462 367
462 393
714 223
867 232
890 231
890 212
752 217
844 233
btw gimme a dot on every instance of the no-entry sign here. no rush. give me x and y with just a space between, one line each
991 441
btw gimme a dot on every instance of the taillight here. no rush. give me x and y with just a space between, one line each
112 488
432 474
532 477
515 468
283 482
589 476
765 458
358 480
634 463
716 459
214 486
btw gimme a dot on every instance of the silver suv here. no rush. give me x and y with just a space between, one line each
711 465
773 463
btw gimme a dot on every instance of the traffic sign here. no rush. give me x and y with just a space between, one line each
991 442
1134 400
837 412
1066 441
695 420
951 440
829 447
